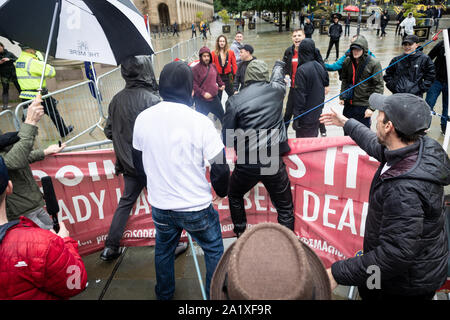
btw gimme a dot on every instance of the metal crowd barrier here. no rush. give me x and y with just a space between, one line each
77 105
107 85
8 121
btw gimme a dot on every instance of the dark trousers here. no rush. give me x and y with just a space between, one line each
278 186
214 106
228 86
383 32
5 85
194 33
347 30
333 42
132 190
51 110
356 112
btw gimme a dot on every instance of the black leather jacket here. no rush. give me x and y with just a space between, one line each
256 107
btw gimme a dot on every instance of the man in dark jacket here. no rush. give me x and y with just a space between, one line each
440 84
255 114
400 18
207 83
140 93
414 74
7 73
384 23
358 66
290 58
308 28
246 56
405 242
17 151
309 91
335 32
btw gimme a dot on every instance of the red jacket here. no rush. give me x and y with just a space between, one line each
230 66
36 264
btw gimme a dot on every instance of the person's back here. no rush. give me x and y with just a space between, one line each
171 145
140 93
309 91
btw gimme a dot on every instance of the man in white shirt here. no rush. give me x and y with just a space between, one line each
171 142
408 24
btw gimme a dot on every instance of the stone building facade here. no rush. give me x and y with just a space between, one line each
167 12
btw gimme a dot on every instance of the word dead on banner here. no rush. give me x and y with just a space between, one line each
330 181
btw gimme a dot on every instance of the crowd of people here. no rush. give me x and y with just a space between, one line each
404 234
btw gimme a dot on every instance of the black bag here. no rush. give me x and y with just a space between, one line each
348 94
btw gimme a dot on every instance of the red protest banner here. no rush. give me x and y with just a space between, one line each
330 180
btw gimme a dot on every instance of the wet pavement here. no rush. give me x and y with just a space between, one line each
132 276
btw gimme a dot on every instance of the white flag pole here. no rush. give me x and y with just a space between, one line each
52 28
447 58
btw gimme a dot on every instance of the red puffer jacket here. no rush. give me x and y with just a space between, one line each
36 264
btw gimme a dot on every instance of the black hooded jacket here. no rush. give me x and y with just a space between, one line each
414 74
310 82
140 92
440 64
405 226
287 59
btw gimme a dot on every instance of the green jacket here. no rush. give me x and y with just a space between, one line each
362 92
26 196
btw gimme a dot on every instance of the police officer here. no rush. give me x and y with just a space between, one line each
29 67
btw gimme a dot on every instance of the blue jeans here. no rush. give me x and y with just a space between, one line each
204 228
432 96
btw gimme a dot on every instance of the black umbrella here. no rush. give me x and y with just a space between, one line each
104 31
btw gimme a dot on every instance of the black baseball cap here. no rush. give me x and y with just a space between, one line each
4 177
412 38
356 46
410 114
247 47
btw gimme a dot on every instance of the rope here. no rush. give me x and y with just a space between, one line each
435 37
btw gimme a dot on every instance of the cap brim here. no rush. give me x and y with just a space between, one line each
408 42
216 292
377 101
319 275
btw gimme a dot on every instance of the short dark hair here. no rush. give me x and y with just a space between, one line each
403 137
297 30
1 45
238 33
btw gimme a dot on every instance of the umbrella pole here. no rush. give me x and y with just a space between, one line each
48 47
359 17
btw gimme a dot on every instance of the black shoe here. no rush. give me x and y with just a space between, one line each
181 248
323 134
109 254
68 131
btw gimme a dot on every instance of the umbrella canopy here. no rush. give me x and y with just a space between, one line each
103 31
351 9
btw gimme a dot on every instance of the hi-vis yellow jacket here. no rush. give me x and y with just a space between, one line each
29 71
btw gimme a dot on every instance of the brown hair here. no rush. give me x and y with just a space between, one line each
217 44
297 30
